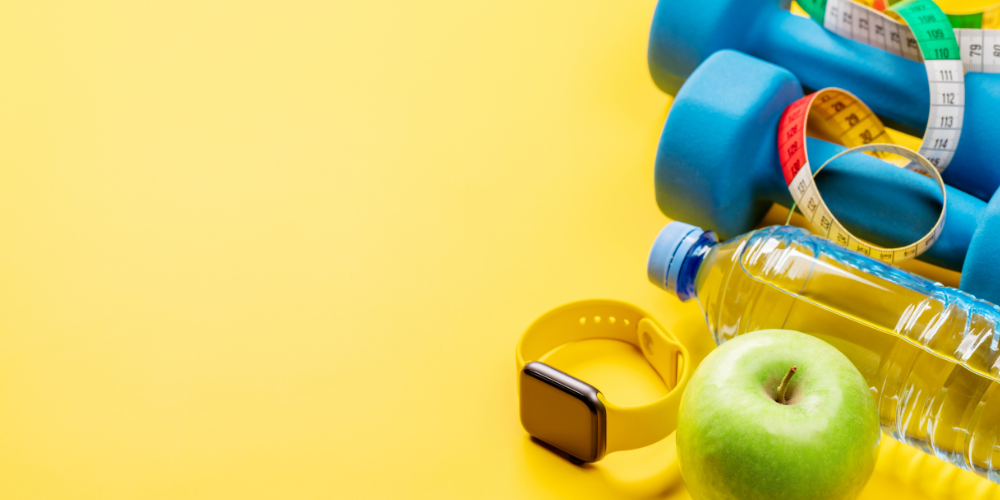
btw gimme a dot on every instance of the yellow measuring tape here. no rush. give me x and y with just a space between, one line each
839 116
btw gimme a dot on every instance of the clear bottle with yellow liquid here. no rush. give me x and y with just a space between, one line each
930 353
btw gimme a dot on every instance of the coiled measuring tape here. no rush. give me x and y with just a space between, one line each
961 16
862 21
841 117
932 38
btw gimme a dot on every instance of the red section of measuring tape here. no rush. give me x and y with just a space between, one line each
792 137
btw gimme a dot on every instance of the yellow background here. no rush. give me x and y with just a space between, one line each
285 249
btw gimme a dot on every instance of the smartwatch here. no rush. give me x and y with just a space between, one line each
573 416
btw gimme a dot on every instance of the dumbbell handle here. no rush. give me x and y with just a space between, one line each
890 206
894 87
876 201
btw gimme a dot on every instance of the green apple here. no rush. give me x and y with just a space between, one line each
736 440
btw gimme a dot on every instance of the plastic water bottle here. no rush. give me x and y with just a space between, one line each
929 352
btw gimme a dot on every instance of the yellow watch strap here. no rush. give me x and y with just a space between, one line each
627 427
638 426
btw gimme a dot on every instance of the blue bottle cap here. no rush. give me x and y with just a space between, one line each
668 253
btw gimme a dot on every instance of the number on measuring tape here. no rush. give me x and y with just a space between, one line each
979 49
926 36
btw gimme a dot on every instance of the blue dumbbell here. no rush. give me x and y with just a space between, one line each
717 167
684 34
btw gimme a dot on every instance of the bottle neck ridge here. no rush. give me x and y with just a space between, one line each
688 274
676 255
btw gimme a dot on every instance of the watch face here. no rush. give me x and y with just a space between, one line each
562 411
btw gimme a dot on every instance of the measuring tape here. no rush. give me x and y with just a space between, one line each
980 50
961 17
839 116
978 35
986 19
934 41
863 21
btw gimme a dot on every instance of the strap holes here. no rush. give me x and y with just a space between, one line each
583 321
597 319
611 320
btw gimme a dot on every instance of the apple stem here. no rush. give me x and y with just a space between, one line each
780 392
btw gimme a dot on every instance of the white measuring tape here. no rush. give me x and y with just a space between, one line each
928 35
979 48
